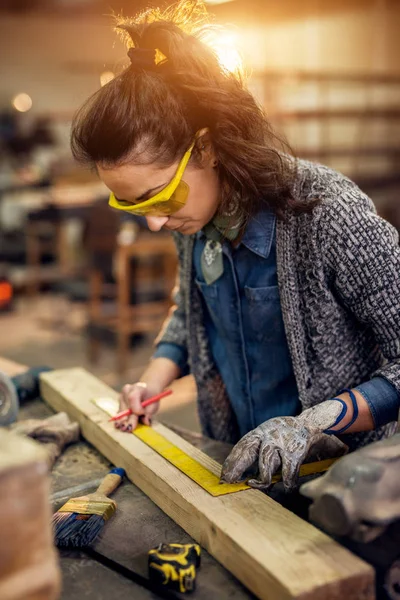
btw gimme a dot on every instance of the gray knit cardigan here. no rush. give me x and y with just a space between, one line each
339 283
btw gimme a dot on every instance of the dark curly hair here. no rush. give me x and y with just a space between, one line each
148 115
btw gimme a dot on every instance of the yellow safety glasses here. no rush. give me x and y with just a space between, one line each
171 199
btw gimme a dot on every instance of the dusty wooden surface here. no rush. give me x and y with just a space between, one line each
10 367
84 577
147 525
272 551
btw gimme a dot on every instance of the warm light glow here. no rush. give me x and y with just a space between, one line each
22 102
106 77
217 1
227 52
225 45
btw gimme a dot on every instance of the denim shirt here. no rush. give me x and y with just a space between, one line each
245 329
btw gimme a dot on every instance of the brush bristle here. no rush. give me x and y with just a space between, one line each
73 530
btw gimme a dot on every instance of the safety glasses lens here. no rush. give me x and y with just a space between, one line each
164 207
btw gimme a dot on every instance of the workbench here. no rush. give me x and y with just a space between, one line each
138 526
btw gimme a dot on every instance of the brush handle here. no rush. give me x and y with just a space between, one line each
110 482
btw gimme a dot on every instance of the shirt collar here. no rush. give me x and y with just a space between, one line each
259 233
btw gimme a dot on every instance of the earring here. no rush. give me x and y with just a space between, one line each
232 208
215 162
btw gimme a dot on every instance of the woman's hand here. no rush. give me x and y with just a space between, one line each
132 397
158 375
285 442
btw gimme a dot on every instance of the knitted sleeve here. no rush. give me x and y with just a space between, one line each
174 327
362 253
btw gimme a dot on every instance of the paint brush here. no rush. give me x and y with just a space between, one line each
80 520
152 400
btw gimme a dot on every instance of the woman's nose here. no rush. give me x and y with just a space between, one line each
156 223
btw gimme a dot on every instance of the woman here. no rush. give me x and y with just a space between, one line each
287 309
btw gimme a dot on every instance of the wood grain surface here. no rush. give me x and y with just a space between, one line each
28 564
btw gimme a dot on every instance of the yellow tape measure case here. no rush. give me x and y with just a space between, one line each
175 566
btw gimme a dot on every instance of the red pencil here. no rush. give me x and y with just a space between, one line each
152 400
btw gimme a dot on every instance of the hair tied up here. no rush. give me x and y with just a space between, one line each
142 58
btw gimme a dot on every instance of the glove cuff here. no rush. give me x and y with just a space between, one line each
344 412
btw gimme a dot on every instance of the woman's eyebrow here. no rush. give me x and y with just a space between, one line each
162 185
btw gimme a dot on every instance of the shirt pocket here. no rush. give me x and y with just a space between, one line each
263 312
262 294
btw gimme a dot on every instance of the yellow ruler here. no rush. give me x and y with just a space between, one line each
188 465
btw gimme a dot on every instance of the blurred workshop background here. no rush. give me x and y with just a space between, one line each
79 285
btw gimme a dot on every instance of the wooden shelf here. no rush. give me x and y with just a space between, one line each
337 113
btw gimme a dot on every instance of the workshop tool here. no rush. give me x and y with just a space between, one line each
16 390
81 519
360 496
28 561
171 568
358 500
175 566
189 466
152 400
27 383
130 574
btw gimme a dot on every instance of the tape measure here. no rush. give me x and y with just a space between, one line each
175 566
188 465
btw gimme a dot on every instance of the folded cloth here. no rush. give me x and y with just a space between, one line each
54 433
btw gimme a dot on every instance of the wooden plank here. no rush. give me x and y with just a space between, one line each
28 562
273 552
11 368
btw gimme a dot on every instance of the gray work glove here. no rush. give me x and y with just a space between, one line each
285 442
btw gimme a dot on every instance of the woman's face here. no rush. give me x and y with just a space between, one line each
136 183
